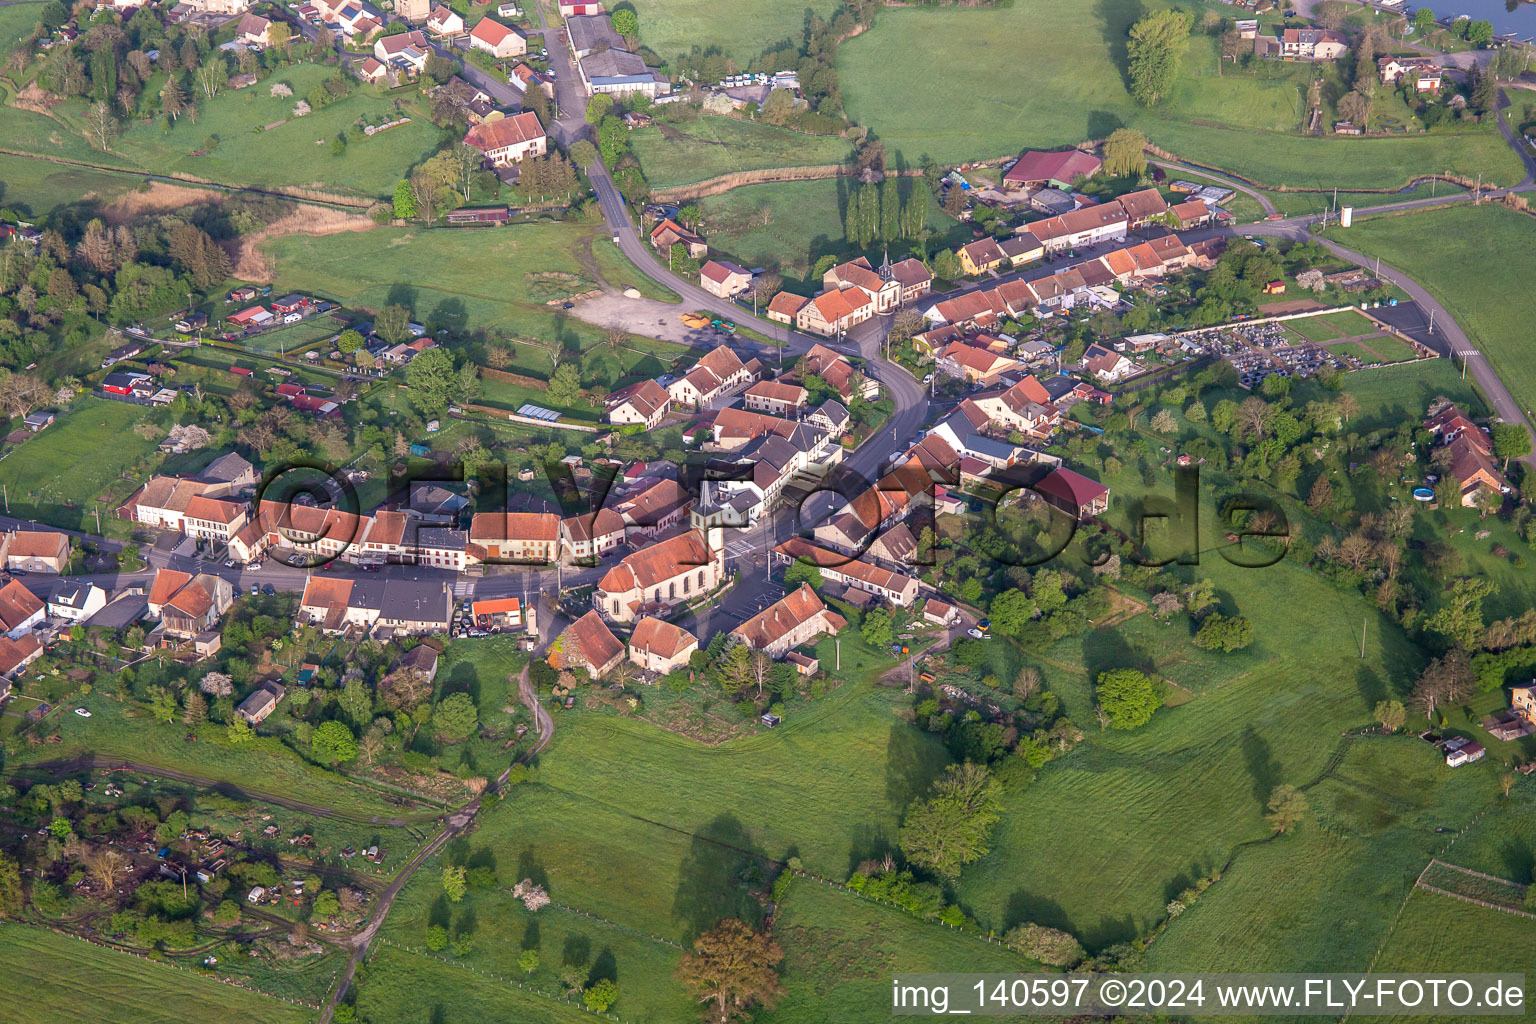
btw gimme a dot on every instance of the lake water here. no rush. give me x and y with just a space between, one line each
1521 20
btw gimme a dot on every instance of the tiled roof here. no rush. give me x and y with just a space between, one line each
513 130
17 605
661 638
523 526
657 563
596 645
783 616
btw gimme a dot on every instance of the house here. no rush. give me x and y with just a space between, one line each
1021 249
1193 214
1073 493
913 278
76 602
777 398
716 372
215 519
829 417
531 538
591 33
669 232
1034 170
499 613
1107 365
130 384
588 643
797 618
35 551
1473 469
371 70
382 606
617 72
261 703
120 353
35 421
20 609
497 39
973 363
524 78
1426 73
508 140
253 29
1143 206
579 8
939 613
445 21
591 535
724 279
408 48
895 588
1461 751
895 546
833 312
785 307
660 647
655 510
188 605
1091 225
192 322
1026 407
15 655
644 403
660 576
879 286
1312 44
981 256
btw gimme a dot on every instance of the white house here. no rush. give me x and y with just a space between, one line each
496 39
509 139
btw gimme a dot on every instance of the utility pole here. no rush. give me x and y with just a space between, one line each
1431 321
838 663
1364 619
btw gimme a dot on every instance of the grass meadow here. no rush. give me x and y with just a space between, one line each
81 981
227 144
790 225
985 82
710 145
1486 297
512 280
35 187
55 474
740 30
402 985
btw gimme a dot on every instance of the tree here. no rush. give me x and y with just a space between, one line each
1011 611
332 742
1164 423
946 265
1460 617
876 628
211 78
427 192
1127 697
951 828
349 341
1510 441
626 23
583 153
1125 153
104 864
454 884
1028 681
1423 20
1155 51
598 107
239 730
172 99
12 899
601 993
890 209
564 385
216 685
1047 945
405 202
528 962
731 969
802 572
1224 633
1331 13
194 708
1391 715
100 126
1287 805
455 717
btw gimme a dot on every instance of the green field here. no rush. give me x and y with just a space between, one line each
1332 326
34 187
804 220
1376 350
54 978
740 29
1488 298
957 92
54 475
411 986
293 154
710 145
506 281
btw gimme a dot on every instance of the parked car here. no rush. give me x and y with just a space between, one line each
82 712
269 590
976 634
255 590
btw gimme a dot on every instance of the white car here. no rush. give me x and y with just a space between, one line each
976 634
82 712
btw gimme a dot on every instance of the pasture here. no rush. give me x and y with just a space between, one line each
789 225
512 280
87 982
1239 120
1333 326
741 29
1487 297
403 986
54 475
34 187
710 145
228 143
